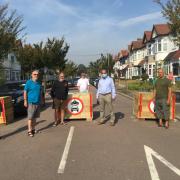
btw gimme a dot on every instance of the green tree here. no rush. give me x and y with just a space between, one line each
171 11
70 69
10 29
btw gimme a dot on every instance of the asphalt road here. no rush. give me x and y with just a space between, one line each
96 152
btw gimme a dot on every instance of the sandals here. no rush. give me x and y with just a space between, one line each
63 123
30 133
55 124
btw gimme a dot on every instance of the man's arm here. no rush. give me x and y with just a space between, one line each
25 98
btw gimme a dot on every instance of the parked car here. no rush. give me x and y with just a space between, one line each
15 90
75 80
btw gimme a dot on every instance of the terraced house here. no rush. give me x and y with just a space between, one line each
156 49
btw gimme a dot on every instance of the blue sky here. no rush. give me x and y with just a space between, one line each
90 27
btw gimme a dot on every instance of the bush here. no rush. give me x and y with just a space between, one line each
135 77
143 86
144 77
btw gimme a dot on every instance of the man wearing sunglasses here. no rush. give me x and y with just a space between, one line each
106 93
59 93
32 99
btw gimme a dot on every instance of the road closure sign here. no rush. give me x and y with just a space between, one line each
79 106
144 106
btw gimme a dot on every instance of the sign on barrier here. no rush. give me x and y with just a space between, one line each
144 106
6 110
79 106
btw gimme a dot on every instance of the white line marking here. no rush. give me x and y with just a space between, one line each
66 151
152 168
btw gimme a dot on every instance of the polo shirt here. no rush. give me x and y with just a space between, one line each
33 89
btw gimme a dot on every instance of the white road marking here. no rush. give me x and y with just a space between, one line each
152 168
66 151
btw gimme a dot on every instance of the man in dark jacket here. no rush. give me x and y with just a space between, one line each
59 93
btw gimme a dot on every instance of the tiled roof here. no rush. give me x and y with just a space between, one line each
147 36
137 44
124 53
161 29
173 56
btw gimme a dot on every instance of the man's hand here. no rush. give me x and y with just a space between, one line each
25 103
114 98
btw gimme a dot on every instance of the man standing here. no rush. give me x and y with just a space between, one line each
83 84
105 95
162 95
59 93
32 99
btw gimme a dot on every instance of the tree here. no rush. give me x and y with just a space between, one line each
171 11
70 69
10 29
104 62
50 54
81 69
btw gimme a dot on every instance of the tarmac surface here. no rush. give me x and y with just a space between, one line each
96 151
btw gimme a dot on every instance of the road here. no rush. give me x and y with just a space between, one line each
96 151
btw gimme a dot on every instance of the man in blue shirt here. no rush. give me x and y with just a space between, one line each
32 100
106 93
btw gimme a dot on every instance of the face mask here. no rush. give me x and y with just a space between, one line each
104 76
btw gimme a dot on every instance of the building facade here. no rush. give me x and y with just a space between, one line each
12 68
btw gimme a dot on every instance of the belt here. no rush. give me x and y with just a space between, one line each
105 94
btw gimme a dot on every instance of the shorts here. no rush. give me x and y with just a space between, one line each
33 111
162 109
58 103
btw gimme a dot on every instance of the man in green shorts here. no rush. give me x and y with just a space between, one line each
162 93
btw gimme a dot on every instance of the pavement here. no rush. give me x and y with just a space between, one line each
96 151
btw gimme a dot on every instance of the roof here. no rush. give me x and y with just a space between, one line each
161 29
123 53
147 36
173 56
137 44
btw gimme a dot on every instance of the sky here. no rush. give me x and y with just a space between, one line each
90 27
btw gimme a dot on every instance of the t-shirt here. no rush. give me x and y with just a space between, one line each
33 89
83 84
60 90
161 86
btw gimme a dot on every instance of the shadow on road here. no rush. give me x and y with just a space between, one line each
19 130
118 116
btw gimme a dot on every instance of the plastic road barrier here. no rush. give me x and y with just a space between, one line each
79 106
6 110
144 106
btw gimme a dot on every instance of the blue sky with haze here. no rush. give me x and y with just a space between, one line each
90 27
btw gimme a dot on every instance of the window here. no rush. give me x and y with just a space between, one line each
13 76
17 76
159 45
12 59
165 45
7 74
176 69
138 55
149 49
150 66
150 71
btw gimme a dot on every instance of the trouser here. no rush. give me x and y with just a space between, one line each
103 101
162 109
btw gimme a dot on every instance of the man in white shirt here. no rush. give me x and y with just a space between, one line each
83 84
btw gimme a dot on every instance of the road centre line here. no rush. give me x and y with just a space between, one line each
63 161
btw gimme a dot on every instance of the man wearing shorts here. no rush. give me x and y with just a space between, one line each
32 99
59 93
